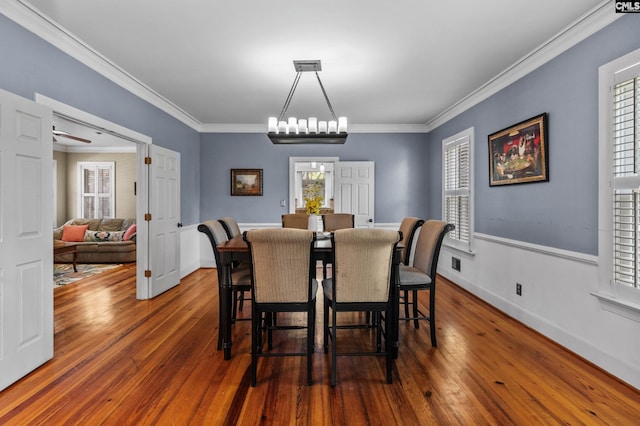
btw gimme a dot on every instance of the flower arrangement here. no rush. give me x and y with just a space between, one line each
313 198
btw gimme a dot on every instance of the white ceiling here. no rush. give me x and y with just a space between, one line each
384 63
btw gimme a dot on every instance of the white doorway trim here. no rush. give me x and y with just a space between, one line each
142 142
292 175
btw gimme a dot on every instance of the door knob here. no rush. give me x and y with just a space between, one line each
370 220
179 224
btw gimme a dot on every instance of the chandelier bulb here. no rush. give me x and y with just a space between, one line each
273 125
313 125
342 124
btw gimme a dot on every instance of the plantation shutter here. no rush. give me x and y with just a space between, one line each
626 182
97 197
457 189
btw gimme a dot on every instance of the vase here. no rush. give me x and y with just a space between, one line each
315 223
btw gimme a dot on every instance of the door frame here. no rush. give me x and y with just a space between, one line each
142 191
292 175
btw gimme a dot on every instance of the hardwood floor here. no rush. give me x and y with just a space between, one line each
123 361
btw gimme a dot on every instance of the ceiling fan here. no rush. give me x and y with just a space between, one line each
64 134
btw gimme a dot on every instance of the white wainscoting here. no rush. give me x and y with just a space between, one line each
190 250
556 298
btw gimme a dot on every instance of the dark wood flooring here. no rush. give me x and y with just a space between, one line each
120 361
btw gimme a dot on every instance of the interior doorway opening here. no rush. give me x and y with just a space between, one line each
124 136
309 176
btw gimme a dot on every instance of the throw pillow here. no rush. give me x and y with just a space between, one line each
73 233
102 236
129 233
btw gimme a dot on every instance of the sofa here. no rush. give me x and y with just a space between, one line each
98 240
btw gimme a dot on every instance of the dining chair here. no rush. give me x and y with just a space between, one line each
335 221
283 278
240 277
364 280
422 274
295 220
230 226
232 229
409 226
332 222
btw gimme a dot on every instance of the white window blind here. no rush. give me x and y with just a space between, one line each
626 182
457 195
97 198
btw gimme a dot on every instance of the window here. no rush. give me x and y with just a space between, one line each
96 183
619 185
626 181
457 196
311 173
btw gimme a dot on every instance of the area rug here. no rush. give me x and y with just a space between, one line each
64 274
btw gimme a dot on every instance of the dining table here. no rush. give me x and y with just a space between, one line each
236 249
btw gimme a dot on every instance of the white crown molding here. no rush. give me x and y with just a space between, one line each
96 149
387 128
64 40
588 24
43 27
234 128
353 128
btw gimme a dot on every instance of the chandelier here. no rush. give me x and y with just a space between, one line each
307 131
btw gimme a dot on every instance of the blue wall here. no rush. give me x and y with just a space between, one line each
30 65
560 213
563 212
400 162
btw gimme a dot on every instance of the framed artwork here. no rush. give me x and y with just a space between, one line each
246 181
518 154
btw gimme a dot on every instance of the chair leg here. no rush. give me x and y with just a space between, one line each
219 329
325 327
334 367
241 300
234 307
377 323
432 317
270 325
311 327
414 299
405 302
256 331
388 324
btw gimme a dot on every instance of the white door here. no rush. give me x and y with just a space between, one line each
355 189
26 248
164 231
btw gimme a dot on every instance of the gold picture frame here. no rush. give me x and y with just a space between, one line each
246 182
519 153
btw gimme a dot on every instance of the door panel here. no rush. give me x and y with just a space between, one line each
164 203
355 189
26 252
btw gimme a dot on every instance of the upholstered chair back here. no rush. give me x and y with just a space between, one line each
230 226
408 228
281 261
335 221
217 235
295 220
363 264
428 245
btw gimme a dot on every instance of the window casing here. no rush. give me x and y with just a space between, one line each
626 181
619 185
96 190
457 194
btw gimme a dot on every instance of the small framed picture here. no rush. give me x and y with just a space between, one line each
518 154
246 181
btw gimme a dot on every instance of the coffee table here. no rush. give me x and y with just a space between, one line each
63 247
